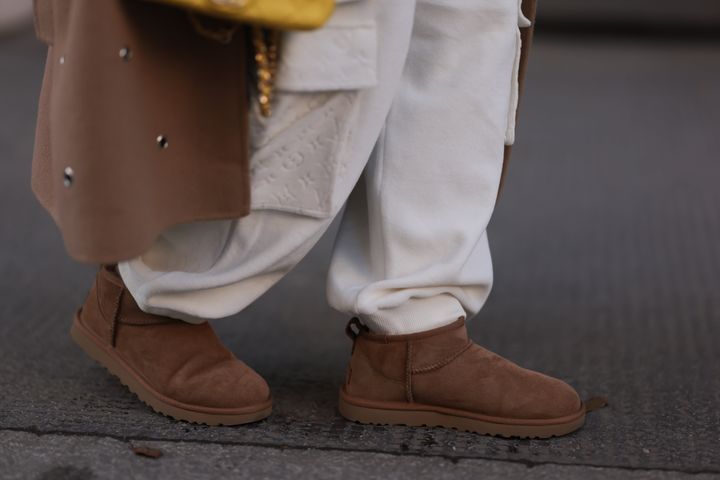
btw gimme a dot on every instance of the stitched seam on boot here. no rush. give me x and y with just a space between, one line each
98 294
408 374
441 363
116 319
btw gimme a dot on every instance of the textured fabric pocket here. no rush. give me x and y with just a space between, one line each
295 153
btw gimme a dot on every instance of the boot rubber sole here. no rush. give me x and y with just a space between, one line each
419 415
92 346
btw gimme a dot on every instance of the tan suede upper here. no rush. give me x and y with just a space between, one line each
185 362
444 367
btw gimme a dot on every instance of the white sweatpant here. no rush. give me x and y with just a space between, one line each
403 109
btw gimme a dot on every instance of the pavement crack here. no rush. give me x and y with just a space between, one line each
450 458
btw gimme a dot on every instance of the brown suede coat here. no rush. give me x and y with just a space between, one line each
142 124
103 109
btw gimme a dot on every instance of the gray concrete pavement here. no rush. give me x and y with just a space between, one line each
606 247
52 457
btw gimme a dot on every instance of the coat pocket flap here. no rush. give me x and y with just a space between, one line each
341 55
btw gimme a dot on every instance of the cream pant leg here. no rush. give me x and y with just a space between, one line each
426 144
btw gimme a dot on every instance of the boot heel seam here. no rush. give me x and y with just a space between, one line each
116 319
408 373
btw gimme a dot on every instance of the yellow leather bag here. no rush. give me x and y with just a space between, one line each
276 14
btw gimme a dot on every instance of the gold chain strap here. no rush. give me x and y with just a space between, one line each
267 50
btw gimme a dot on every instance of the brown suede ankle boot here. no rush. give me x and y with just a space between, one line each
178 368
442 378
